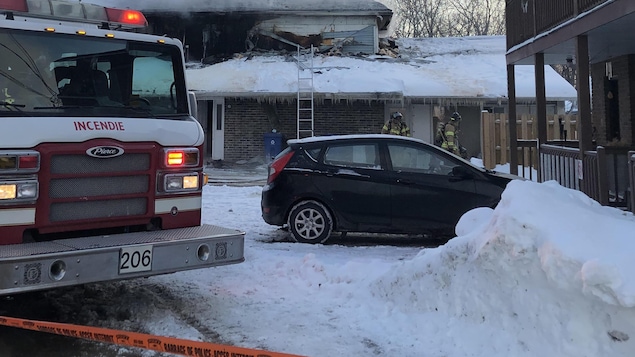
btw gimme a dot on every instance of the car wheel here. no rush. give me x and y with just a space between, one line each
310 222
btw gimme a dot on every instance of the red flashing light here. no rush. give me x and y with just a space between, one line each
14 5
28 162
128 17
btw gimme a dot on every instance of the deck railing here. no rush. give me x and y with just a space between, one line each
606 174
559 163
527 18
527 159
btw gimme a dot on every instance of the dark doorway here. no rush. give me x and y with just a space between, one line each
612 109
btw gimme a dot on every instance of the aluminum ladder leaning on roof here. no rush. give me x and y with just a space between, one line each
305 124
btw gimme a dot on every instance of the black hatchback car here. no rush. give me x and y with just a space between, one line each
373 183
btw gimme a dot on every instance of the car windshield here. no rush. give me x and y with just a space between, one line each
51 74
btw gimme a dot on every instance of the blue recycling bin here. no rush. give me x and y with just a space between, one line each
273 145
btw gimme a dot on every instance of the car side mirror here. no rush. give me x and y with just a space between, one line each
460 172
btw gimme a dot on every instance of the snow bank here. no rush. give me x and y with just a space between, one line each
548 264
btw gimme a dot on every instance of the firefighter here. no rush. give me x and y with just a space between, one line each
396 125
449 137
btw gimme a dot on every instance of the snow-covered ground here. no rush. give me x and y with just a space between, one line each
548 272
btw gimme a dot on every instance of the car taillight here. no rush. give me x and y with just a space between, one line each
276 167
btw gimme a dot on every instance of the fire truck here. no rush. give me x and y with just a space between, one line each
101 167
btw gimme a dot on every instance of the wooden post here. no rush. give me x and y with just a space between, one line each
504 139
541 103
585 127
511 109
488 144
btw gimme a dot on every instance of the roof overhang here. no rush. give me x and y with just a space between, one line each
610 29
383 96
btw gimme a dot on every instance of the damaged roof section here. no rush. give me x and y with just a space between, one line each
214 31
254 6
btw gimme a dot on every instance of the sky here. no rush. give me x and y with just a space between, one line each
546 273
463 67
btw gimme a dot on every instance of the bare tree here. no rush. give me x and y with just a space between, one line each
420 18
479 17
567 71
441 18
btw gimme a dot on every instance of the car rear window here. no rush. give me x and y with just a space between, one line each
356 156
313 154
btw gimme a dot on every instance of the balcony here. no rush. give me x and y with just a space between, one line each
528 18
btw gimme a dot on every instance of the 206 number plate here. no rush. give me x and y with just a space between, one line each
135 259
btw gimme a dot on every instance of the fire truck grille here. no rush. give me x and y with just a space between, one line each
102 188
98 186
66 211
83 164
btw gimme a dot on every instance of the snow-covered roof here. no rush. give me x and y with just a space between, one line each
458 67
247 5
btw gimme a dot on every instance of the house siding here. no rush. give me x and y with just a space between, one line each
624 71
247 120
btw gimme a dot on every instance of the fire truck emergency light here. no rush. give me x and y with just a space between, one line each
180 157
78 11
175 158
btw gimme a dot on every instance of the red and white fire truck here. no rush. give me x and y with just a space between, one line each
101 171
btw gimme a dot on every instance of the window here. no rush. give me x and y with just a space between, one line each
360 156
65 75
418 160
313 153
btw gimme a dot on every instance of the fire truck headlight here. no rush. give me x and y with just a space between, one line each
190 182
173 183
8 191
181 182
27 190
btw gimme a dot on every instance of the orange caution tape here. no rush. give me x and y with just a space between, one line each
140 340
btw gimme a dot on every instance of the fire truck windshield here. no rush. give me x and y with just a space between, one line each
51 74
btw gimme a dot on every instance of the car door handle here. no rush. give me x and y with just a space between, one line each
405 182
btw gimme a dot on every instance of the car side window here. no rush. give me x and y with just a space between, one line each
358 156
313 153
418 160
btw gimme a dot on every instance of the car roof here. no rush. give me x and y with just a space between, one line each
326 138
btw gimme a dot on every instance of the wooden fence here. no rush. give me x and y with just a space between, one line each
495 136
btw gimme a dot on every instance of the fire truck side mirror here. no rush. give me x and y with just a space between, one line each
193 107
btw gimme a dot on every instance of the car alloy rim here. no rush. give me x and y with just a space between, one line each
309 223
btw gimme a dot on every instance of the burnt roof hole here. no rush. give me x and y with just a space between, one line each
207 37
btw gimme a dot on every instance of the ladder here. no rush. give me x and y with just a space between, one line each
305 126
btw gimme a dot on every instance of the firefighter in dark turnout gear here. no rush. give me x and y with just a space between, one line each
396 125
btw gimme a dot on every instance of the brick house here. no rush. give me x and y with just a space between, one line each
241 99
231 46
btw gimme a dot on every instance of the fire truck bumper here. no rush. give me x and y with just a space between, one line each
66 262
